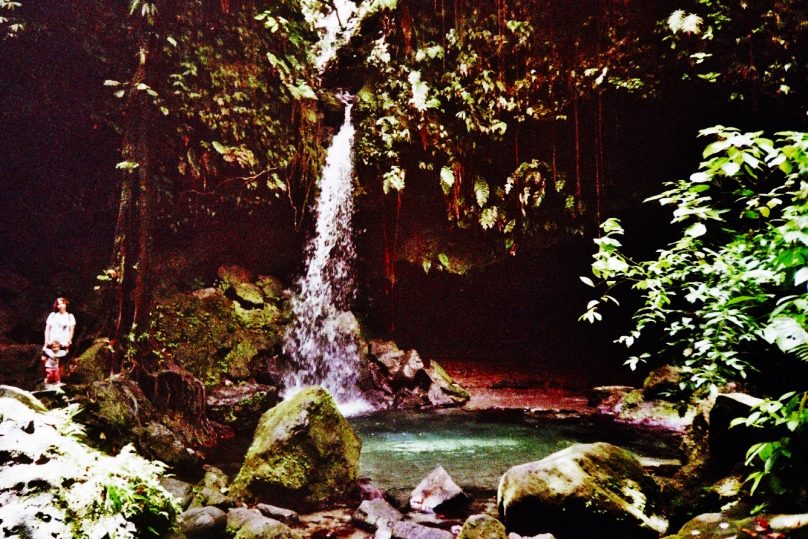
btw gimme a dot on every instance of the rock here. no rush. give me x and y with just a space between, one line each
24 397
230 275
115 406
237 517
248 295
240 406
718 525
160 442
444 391
20 365
539 536
271 287
404 529
584 487
376 513
182 491
213 490
437 491
304 453
94 364
663 383
482 527
378 347
287 516
204 523
631 407
266 528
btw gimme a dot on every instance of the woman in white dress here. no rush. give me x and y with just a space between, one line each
59 328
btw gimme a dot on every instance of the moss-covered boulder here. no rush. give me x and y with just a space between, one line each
723 526
218 333
582 488
240 406
304 454
94 364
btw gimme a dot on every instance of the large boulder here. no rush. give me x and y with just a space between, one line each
94 364
482 527
240 406
582 488
304 454
722 526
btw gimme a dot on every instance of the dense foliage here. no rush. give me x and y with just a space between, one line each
729 295
53 485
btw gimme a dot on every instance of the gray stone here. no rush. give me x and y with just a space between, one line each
410 530
240 406
376 514
304 454
482 527
266 528
287 516
663 383
213 490
203 522
182 491
237 517
437 490
584 487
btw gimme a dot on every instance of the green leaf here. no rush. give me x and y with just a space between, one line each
447 179
444 260
586 280
481 191
219 147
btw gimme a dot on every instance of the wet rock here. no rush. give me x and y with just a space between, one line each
663 383
718 525
204 523
482 527
304 454
287 516
240 406
437 491
631 407
410 530
378 347
271 287
444 391
230 275
584 487
182 491
248 295
376 513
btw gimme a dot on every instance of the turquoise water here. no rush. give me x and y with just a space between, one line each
401 448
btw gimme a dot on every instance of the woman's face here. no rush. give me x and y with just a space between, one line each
61 305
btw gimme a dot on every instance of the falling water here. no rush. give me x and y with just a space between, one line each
321 341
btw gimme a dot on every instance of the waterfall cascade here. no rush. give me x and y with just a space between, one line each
321 340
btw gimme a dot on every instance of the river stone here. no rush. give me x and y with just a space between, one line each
437 491
204 522
182 491
287 516
376 514
582 488
404 529
213 490
239 516
304 454
443 388
482 527
266 528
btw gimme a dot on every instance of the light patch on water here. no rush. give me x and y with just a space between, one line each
446 445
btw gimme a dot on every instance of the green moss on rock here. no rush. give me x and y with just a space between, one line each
304 454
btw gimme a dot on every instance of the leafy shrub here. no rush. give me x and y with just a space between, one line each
52 485
729 295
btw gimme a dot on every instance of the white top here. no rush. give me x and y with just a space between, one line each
60 325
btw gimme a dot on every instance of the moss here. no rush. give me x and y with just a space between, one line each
447 384
248 294
238 359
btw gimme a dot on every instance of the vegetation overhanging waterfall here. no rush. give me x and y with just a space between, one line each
321 340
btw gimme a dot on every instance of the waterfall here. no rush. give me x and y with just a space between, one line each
321 340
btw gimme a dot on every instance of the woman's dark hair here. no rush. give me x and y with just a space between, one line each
56 303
